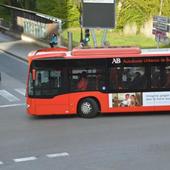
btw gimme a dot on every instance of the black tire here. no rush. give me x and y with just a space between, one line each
88 108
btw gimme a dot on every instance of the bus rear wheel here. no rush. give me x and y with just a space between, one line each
88 108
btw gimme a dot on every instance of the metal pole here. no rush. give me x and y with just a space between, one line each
81 34
0 76
94 37
70 38
81 20
158 40
161 5
104 37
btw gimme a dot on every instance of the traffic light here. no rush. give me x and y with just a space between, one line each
87 36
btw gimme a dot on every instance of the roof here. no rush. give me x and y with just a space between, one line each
62 52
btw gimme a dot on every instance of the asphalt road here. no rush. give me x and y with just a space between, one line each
117 142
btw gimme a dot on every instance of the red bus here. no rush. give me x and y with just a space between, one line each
122 79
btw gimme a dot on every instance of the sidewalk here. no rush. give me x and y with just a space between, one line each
17 48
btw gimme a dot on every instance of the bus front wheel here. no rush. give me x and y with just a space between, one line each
88 108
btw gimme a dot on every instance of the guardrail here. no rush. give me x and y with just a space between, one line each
3 25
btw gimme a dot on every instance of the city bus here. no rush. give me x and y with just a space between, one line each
118 79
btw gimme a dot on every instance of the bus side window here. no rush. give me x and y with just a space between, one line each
113 78
155 77
167 78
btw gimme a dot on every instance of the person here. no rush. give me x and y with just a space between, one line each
139 81
134 101
83 82
53 40
126 102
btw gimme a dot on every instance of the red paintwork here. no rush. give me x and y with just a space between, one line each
67 103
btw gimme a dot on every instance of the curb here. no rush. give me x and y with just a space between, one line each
16 56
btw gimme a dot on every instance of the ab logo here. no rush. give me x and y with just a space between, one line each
116 61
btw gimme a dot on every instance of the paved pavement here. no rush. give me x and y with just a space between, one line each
18 48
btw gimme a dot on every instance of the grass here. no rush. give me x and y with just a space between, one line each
114 38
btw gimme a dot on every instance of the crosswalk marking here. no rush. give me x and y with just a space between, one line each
12 105
54 155
32 158
10 97
21 91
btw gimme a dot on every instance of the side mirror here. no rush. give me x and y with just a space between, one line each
34 74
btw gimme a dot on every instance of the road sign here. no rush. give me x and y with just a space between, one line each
98 14
161 26
161 19
161 23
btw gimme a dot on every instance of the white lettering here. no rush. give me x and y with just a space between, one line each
116 61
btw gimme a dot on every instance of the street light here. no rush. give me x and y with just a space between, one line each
81 29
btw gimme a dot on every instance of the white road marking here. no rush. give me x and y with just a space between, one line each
32 158
10 97
21 91
57 155
12 105
1 163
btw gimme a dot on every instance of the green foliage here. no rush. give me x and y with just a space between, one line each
67 10
127 11
114 38
4 13
139 11
166 8
136 11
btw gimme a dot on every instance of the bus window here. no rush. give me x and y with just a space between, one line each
127 78
47 83
167 77
30 85
155 77
94 78
114 78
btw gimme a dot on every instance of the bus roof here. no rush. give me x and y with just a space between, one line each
78 53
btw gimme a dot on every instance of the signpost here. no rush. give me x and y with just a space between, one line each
161 26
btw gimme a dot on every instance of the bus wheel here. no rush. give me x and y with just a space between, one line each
88 108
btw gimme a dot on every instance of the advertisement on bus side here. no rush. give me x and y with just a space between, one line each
139 99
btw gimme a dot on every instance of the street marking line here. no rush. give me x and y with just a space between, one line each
12 105
32 158
10 97
1 163
57 155
21 91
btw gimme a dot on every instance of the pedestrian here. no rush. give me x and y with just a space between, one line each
53 40
83 82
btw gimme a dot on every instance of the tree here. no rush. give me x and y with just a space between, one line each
63 9
135 11
26 4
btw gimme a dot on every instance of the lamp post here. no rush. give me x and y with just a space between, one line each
81 29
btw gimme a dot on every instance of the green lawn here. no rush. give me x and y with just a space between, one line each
114 38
